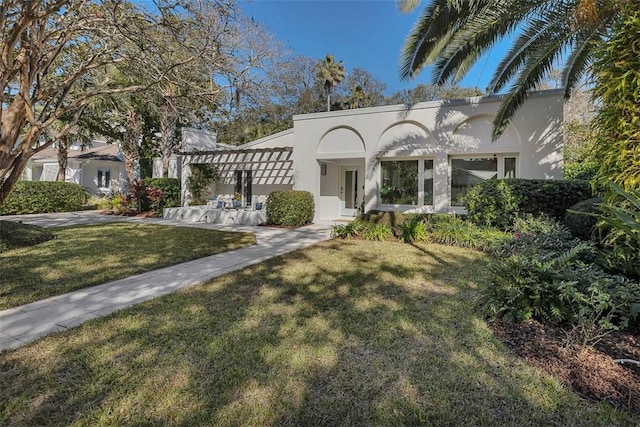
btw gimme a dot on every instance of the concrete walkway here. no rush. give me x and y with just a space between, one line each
21 325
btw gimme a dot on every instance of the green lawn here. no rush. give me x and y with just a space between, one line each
85 256
343 333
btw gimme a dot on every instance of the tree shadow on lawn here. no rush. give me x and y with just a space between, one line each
84 256
345 332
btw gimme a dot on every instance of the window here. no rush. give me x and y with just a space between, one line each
427 175
467 172
49 172
104 178
399 182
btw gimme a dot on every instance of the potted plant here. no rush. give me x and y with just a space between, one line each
237 200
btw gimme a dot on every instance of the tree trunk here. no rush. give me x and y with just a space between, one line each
165 166
19 164
62 158
131 139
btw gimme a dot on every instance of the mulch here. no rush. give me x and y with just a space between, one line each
590 371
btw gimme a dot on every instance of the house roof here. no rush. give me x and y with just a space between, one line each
97 151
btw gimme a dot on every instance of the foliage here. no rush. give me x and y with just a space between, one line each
617 90
428 92
620 228
453 35
392 219
458 232
290 208
170 188
330 73
545 273
376 231
30 197
16 235
496 202
580 219
346 231
203 176
413 229
61 57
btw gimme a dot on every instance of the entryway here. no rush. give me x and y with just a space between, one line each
351 190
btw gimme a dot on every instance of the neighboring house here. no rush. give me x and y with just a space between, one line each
420 158
98 168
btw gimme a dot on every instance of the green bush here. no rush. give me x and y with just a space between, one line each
495 203
391 219
290 208
582 170
16 235
619 226
578 222
376 231
28 197
413 229
458 232
346 231
547 274
170 188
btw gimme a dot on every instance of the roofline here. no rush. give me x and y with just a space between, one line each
237 151
265 139
421 105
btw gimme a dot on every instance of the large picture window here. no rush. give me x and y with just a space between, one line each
399 182
467 172
407 182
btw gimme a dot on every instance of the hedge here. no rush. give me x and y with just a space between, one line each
290 208
170 188
29 197
496 202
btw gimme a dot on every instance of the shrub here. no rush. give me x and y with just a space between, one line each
17 235
170 188
580 219
620 227
391 219
547 274
376 231
346 231
202 177
291 208
29 197
453 230
496 202
413 229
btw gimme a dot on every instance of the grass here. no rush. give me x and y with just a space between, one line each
84 256
342 333
16 235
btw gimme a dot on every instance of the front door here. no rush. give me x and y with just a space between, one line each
351 190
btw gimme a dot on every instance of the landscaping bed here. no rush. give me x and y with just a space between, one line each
590 371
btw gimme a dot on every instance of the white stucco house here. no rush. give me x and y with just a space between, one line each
98 168
419 158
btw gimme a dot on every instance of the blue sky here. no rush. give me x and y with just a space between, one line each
366 34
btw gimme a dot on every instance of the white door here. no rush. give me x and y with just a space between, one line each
351 190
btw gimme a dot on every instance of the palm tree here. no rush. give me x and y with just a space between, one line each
330 73
453 34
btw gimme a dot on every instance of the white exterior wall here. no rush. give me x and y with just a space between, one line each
327 144
89 176
434 130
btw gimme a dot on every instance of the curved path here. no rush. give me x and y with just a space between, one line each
23 324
